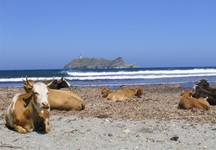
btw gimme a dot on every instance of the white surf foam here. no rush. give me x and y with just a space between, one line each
23 79
123 75
110 77
138 77
146 72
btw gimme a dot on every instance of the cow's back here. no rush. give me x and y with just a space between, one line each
64 100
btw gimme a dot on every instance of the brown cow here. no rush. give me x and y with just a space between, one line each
189 102
29 111
65 100
60 99
122 94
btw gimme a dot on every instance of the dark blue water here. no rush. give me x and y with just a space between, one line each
113 77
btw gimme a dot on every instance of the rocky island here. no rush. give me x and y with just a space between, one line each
98 63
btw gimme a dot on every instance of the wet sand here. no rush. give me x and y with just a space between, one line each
141 123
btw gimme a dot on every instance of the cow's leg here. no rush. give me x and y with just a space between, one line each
29 127
20 129
211 100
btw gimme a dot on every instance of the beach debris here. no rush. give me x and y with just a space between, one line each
59 118
174 138
74 130
205 147
126 131
108 120
4 145
146 130
102 116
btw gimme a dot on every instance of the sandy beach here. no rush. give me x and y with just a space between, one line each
93 48
150 122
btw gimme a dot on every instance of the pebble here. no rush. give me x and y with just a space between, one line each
174 138
205 147
126 131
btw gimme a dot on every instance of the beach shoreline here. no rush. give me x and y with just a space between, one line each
147 122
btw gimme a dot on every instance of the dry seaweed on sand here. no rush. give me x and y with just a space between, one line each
158 102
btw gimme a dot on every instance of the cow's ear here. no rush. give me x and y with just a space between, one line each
27 88
27 98
182 93
29 83
103 88
49 83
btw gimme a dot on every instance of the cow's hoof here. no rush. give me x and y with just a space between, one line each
21 130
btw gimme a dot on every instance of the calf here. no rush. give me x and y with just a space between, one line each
189 102
121 94
29 111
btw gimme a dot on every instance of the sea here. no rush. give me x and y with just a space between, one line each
186 76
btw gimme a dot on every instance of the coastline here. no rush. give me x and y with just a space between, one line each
113 77
148 122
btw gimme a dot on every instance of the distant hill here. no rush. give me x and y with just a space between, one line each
97 63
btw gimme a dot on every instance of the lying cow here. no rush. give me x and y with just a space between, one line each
59 99
202 89
189 102
65 100
58 84
122 94
29 111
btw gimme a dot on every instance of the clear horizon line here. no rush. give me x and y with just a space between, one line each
180 67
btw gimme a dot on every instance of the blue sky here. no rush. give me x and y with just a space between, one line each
40 34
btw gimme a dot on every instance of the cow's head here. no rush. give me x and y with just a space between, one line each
198 88
105 91
40 94
139 92
203 83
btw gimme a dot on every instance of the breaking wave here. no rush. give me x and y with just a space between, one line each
22 79
123 75
146 74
